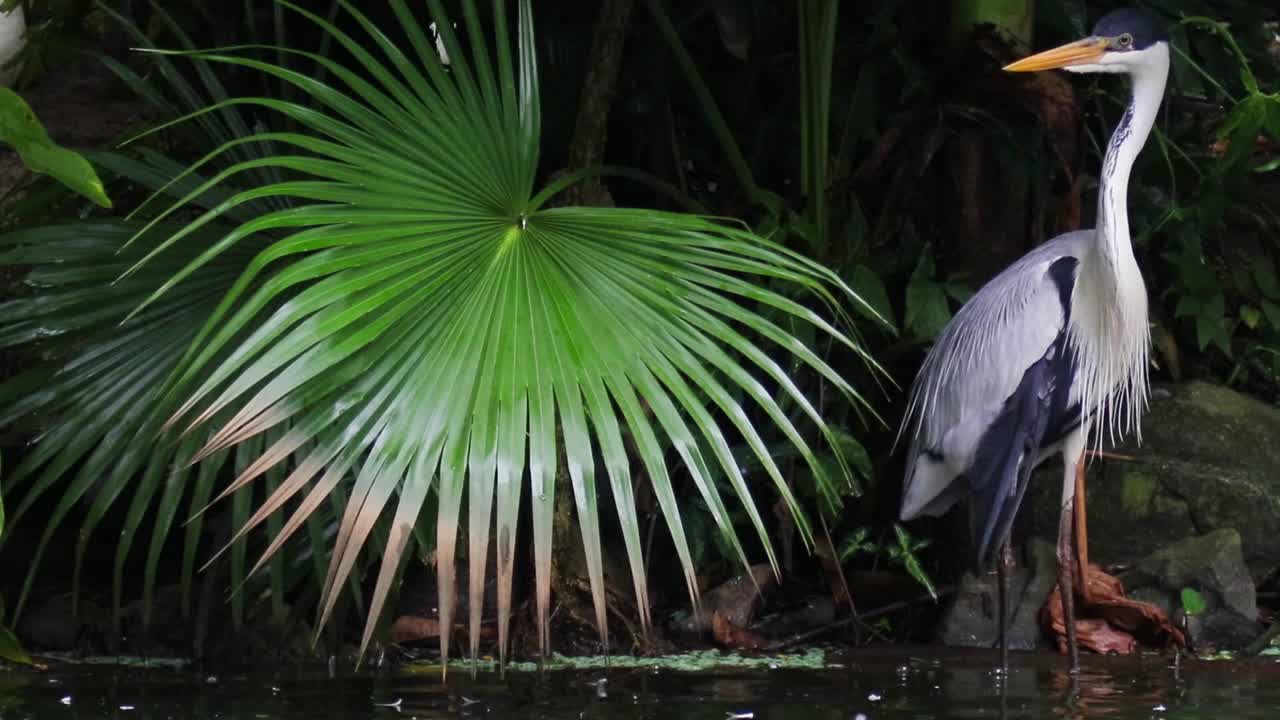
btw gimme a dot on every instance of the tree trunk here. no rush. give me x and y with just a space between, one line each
996 214
598 90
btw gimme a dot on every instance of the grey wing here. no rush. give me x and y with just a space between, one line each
975 366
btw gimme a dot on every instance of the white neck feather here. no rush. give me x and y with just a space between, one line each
1109 326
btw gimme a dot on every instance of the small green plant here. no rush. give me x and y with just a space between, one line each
856 543
1192 602
904 554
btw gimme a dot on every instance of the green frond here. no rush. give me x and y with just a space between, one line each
420 323
373 313
102 401
95 400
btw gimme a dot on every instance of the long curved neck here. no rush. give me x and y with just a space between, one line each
1109 326
1126 142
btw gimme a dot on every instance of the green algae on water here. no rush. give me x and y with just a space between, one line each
696 661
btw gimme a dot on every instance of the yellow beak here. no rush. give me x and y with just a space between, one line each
1081 52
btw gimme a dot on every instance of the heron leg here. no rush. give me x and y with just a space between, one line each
1003 563
1082 532
1066 569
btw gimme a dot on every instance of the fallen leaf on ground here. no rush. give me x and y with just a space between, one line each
410 628
413 628
11 650
1096 635
1110 622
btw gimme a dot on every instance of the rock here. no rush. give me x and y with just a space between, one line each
1212 563
789 620
737 600
1207 462
52 625
734 636
969 620
1214 566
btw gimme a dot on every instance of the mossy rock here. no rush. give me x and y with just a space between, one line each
1209 460
969 619
1213 566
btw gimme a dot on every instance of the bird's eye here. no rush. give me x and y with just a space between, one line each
1125 40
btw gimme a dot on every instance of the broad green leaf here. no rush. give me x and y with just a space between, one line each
11 650
1251 316
927 310
1272 123
958 291
848 452
1272 311
1241 128
1268 166
867 284
20 128
1267 282
1211 324
1192 601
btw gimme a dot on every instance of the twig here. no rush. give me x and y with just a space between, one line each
1111 455
1263 640
830 562
861 619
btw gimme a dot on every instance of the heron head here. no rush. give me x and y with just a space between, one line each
1123 41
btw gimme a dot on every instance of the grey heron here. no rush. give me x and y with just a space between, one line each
1050 353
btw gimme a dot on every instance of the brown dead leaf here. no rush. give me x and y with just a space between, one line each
730 635
1109 622
413 628
1092 634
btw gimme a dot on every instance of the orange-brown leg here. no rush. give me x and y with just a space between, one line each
1082 532
1066 560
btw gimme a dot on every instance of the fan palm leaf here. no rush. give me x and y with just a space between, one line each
96 397
431 326
104 395
412 322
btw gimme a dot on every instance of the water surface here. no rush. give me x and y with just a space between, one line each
871 684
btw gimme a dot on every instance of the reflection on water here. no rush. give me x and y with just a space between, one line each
879 684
